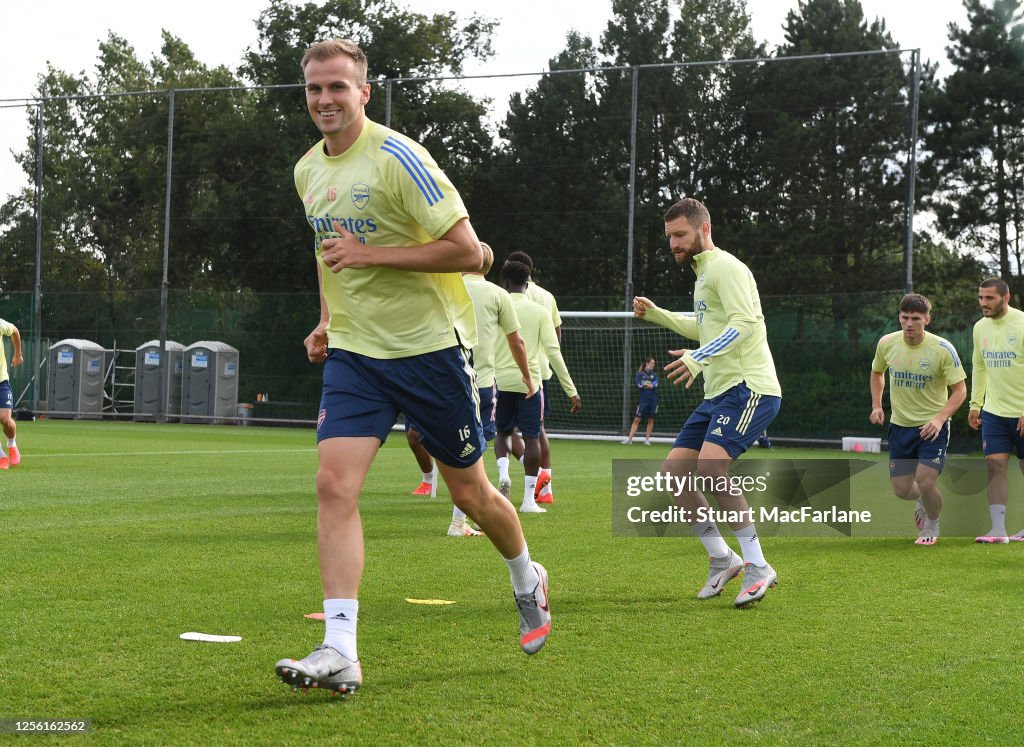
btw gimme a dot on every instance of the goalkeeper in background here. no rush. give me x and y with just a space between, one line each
741 392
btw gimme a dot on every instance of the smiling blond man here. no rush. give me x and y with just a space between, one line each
391 239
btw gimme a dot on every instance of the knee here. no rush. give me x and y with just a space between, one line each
334 490
471 497
712 469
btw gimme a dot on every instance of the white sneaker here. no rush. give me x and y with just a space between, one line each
625 441
532 508
462 529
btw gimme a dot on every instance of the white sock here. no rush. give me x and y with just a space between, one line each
340 616
428 477
547 488
931 525
998 513
711 538
531 485
503 468
750 545
10 443
524 576
458 517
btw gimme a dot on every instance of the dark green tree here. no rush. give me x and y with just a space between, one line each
976 136
830 140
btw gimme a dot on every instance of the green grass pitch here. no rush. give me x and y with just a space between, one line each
116 538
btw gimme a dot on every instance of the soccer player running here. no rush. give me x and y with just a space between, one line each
495 319
515 409
741 393
922 368
997 397
13 456
545 298
646 381
391 239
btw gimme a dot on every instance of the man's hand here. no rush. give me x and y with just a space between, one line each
930 430
575 404
678 373
877 416
974 419
345 251
640 306
17 360
531 389
316 344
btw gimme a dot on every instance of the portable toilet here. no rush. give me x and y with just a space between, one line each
74 381
209 384
153 371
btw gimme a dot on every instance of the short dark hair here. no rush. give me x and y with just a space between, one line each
691 209
998 283
516 273
521 257
915 303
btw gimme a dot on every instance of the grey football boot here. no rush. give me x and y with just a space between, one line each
757 579
534 614
722 571
325 668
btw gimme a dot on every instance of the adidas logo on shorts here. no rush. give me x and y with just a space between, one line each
470 448
716 432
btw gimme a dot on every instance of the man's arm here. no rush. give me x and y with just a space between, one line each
316 341
877 387
979 383
683 324
930 430
16 360
458 250
517 347
553 351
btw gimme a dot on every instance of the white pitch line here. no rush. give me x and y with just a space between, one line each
171 453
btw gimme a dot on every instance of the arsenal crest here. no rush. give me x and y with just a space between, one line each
360 195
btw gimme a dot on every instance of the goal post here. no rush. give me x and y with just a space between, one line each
603 351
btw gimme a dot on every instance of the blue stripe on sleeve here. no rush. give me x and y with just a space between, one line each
417 170
412 173
719 343
952 352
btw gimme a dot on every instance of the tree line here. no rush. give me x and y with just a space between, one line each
802 162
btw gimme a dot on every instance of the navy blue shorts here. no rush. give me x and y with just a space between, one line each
363 396
907 449
514 411
734 420
647 408
546 388
999 435
6 395
488 404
